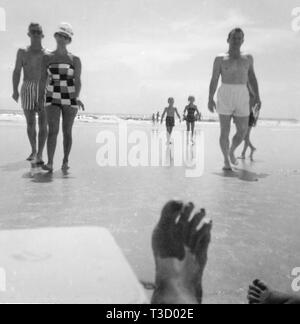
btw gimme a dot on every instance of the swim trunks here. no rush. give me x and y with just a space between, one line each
170 122
30 95
61 88
233 100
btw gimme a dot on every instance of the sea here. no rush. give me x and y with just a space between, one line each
17 115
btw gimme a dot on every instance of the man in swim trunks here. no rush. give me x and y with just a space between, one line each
236 70
170 120
30 61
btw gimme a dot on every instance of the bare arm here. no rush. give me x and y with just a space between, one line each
163 115
215 78
198 112
250 89
78 71
185 110
253 84
17 75
179 117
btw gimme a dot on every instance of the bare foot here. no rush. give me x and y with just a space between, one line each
31 157
252 153
260 293
180 244
65 167
39 162
227 166
48 167
233 159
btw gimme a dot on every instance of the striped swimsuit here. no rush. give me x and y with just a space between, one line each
30 95
61 90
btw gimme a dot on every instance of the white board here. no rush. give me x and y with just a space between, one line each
65 265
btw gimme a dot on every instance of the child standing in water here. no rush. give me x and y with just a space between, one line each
170 120
153 119
254 114
191 115
157 117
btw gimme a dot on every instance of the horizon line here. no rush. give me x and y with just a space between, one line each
20 111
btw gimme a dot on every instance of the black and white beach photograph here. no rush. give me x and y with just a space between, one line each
149 154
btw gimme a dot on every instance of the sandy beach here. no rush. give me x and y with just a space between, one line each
255 210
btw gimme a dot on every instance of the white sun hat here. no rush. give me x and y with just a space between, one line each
65 29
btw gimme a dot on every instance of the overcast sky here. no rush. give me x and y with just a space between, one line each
137 53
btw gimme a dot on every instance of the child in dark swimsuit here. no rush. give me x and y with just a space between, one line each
252 123
190 115
170 120
158 117
153 119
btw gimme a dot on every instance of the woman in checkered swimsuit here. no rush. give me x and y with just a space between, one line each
61 90
62 75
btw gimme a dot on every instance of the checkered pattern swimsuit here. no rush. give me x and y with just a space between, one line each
191 114
61 88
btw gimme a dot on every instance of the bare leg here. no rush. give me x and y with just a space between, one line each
180 246
69 114
53 118
193 130
31 132
252 147
242 125
169 134
247 142
188 127
43 133
225 122
260 293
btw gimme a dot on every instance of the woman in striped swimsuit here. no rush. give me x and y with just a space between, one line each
62 75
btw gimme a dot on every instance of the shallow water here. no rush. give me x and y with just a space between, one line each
255 210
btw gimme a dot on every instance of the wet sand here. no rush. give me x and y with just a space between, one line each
255 210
